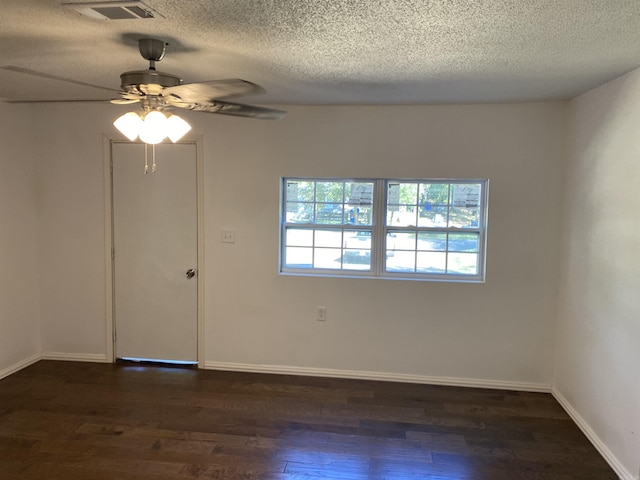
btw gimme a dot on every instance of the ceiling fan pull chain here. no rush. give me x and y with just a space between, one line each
153 154
146 162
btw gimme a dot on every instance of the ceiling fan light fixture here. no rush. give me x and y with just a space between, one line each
129 125
177 128
154 127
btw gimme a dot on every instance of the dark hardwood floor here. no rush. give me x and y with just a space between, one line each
68 420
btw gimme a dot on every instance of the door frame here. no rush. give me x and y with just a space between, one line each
110 333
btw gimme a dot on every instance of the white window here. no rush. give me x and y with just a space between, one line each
411 229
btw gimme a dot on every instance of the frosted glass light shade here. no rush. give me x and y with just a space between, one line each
129 125
154 127
177 128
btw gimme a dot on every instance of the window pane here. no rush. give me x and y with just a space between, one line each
432 216
329 192
357 250
434 194
299 212
357 239
402 261
393 197
393 194
299 237
401 241
405 216
359 215
299 191
356 259
431 262
329 213
432 241
463 263
327 258
465 195
391 244
358 193
297 257
463 242
464 217
408 194
328 238
402 194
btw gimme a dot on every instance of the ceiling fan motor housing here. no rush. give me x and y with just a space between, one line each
148 81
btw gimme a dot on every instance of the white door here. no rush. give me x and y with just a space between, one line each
155 253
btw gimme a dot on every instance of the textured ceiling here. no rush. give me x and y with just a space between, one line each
333 52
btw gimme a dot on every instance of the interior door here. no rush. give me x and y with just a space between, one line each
155 253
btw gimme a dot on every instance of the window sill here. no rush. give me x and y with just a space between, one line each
386 276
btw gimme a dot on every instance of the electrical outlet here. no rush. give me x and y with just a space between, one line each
228 236
321 314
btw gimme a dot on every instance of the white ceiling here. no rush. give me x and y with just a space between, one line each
333 51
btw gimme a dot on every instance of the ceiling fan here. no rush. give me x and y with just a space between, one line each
157 91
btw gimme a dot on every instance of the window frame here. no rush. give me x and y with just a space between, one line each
379 230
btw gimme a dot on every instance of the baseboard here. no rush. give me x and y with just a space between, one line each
75 357
5 372
607 454
381 376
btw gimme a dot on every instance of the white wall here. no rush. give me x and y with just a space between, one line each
19 317
71 225
501 331
598 349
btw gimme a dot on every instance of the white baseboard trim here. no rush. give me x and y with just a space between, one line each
607 454
381 376
5 372
75 357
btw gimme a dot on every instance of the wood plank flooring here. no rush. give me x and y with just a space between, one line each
89 421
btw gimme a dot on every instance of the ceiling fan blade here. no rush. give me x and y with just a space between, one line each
124 101
236 109
13 68
73 100
206 92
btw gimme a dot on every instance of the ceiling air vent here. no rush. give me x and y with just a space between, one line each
114 10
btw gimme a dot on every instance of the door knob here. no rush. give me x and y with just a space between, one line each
191 273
